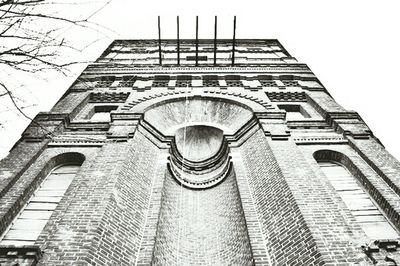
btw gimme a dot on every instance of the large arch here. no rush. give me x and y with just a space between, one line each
32 217
174 113
143 104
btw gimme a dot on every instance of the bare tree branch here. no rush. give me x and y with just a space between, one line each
33 38
23 44
9 93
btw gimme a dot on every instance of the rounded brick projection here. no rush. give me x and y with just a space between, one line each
202 227
205 226
199 156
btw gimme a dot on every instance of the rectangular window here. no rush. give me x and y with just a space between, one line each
294 111
102 113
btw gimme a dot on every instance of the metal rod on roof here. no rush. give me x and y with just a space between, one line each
159 40
234 41
177 32
215 40
197 40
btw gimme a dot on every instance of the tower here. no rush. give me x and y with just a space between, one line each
229 155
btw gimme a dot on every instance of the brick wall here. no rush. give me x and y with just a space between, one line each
102 219
337 238
70 104
202 227
274 208
288 238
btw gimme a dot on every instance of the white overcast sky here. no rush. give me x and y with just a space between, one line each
351 45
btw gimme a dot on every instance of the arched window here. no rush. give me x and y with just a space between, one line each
360 204
31 220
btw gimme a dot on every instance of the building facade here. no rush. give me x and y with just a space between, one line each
198 153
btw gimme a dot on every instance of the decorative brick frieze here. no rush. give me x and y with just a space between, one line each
123 69
312 140
311 124
287 96
332 116
78 138
85 126
108 97
126 116
271 115
20 256
127 81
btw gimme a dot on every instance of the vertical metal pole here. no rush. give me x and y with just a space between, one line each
215 40
177 31
159 40
197 40
234 41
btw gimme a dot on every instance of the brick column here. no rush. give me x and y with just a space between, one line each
287 236
310 222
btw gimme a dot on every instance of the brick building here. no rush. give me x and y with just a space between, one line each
206 154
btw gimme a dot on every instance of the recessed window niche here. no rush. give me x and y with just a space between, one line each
294 111
101 113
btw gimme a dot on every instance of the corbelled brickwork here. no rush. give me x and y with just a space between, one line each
152 189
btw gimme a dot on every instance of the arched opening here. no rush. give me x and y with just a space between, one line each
33 217
365 210
173 114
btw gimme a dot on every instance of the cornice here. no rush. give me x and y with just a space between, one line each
112 69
